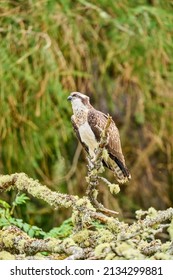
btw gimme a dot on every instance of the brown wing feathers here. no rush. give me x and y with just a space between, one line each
96 120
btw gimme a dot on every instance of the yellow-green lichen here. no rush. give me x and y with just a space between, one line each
84 202
105 155
53 244
105 235
114 225
162 256
68 242
152 212
101 169
170 230
4 255
102 250
128 252
110 256
114 188
21 245
166 246
8 240
81 237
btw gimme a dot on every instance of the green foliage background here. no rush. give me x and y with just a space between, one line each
120 53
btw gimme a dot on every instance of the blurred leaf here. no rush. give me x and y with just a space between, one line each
61 232
20 199
4 204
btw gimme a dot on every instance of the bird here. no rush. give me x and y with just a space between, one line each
88 124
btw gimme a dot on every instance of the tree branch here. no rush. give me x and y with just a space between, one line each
22 182
95 167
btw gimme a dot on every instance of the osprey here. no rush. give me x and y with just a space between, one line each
88 124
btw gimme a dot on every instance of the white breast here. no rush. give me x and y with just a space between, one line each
87 136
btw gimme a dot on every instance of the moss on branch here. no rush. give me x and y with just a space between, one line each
22 182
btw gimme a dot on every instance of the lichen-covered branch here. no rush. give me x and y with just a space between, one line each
144 225
16 241
22 182
115 240
83 210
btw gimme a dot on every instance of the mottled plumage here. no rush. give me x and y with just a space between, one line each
88 124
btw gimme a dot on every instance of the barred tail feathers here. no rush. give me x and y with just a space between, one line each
119 170
122 175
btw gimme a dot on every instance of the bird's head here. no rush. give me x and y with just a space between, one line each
79 101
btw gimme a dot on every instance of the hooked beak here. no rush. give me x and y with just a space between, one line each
69 98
